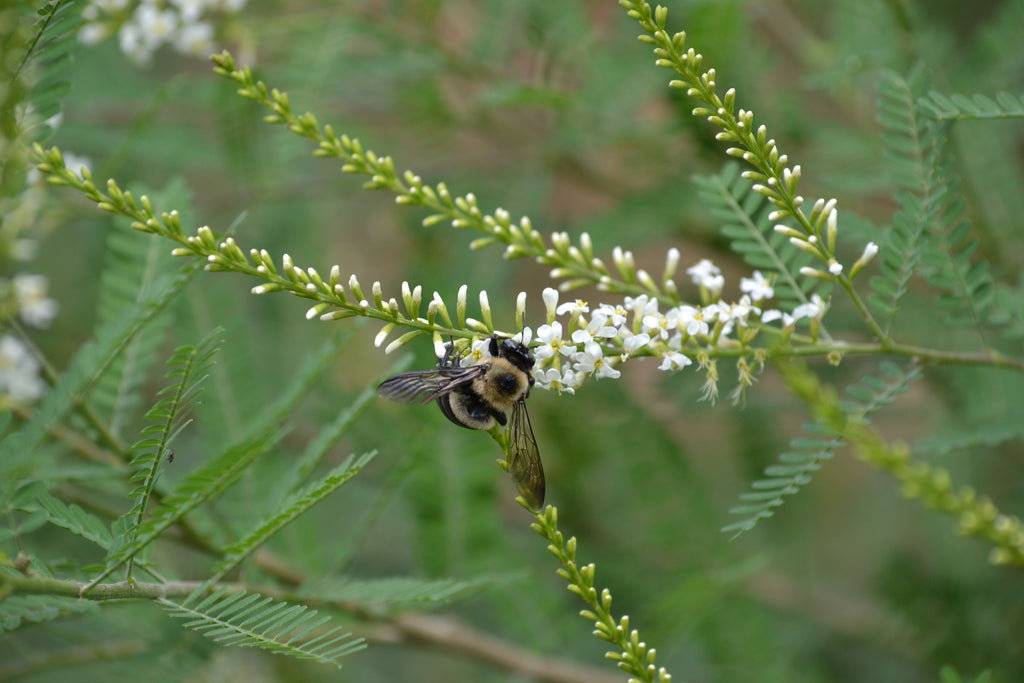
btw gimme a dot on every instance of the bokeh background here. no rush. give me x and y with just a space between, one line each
554 110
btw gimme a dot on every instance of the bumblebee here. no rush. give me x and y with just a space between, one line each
480 396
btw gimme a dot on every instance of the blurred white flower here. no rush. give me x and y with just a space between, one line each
34 307
19 371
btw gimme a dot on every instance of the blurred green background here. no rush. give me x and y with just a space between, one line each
555 111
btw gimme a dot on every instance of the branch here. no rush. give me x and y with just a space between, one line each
443 634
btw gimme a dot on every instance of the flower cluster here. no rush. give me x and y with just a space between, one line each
19 368
143 27
593 342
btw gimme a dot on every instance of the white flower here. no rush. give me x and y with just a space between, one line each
591 361
33 306
758 287
661 324
572 307
775 314
706 274
551 340
190 10
814 309
674 360
737 312
195 39
550 297
633 342
692 320
641 306
524 337
480 350
92 33
595 329
19 371
133 43
564 381
158 25
616 315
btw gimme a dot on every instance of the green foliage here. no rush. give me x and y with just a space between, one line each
76 520
254 515
289 510
20 610
743 218
134 271
190 366
48 54
977 106
931 232
796 466
84 370
249 620
400 593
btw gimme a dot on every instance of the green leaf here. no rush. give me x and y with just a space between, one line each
399 593
137 268
200 486
977 106
19 610
290 510
190 364
249 620
807 454
85 368
76 520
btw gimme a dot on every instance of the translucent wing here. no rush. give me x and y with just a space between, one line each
524 457
420 387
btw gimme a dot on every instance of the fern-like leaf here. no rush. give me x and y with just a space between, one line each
200 486
956 106
76 520
136 268
329 435
85 368
911 151
929 234
797 465
18 610
49 54
250 620
189 365
399 593
290 510
743 215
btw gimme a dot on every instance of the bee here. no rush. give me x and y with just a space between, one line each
479 396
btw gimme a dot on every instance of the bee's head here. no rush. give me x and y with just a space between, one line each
512 351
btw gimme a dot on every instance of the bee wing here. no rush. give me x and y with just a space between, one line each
420 387
524 457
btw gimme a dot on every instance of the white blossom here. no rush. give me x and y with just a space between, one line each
551 340
33 305
573 307
673 360
757 286
19 371
706 274
814 309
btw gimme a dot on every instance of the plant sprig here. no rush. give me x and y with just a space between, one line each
575 264
634 656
